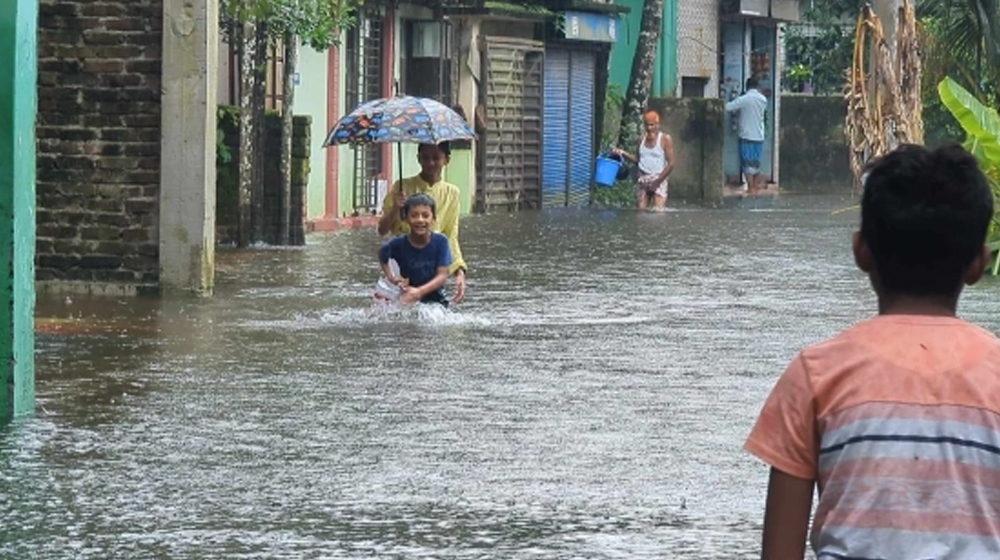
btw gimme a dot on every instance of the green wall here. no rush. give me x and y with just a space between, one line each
665 76
310 99
459 171
18 107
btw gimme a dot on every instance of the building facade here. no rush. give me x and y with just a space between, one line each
527 76
708 48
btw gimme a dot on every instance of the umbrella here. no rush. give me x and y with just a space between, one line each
400 119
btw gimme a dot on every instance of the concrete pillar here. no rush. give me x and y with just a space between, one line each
187 180
18 108
462 173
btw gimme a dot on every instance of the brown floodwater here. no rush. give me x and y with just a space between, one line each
589 400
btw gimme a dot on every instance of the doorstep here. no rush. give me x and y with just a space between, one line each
326 224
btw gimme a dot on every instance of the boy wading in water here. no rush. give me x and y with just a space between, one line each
896 420
432 158
423 256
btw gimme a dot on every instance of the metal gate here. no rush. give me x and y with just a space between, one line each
510 155
569 126
364 83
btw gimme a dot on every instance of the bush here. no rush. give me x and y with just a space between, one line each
622 194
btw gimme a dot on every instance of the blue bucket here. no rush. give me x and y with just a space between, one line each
606 171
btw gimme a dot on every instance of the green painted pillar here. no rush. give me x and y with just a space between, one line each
18 107
669 43
665 75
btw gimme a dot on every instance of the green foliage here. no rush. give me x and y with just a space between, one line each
969 31
981 123
227 181
824 47
228 127
982 128
621 194
954 47
798 76
318 23
940 126
613 100
824 58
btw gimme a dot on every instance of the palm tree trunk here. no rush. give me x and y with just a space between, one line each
288 95
248 50
259 114
643 66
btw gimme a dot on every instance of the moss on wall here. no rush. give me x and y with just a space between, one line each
814 155
696 126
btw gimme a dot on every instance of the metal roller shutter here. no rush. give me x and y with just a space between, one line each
569 127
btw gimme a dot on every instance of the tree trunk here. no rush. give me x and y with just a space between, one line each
248 50
642 73
288 97
259 115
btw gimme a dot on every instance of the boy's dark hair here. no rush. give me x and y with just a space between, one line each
445 147
752 83
924 215
419 199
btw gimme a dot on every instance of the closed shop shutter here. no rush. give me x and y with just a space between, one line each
569 126
555 169
581 126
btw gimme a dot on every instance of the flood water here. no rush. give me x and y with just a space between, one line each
589 400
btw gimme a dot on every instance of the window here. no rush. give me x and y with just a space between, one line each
692 86
427 60
363 54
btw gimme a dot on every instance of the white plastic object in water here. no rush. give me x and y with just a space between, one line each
386 290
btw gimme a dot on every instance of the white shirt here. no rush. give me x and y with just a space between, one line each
652 161
751 107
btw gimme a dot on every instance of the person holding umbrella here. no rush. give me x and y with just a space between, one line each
432 158
431 125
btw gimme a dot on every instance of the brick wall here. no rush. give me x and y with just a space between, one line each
98 140
227 179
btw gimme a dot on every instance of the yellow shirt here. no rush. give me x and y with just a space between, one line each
447 205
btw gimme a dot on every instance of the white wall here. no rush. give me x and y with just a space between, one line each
698 42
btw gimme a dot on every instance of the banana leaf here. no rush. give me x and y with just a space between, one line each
980 122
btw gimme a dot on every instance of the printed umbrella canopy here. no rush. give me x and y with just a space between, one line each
400 119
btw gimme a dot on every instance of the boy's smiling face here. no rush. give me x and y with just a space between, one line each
432 160
420 219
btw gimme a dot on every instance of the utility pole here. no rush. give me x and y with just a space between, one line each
188 123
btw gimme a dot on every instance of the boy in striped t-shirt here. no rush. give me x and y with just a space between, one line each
896 421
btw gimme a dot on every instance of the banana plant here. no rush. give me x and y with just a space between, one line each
982 129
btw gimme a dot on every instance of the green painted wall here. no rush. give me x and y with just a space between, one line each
18 72
459 172
665 76
310 99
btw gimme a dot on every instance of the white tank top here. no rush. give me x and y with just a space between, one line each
652 161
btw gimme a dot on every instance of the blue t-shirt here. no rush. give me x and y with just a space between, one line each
419 266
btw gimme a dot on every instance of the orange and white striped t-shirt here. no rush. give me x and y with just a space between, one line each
897 419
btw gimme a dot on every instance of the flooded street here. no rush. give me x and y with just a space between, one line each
589 400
